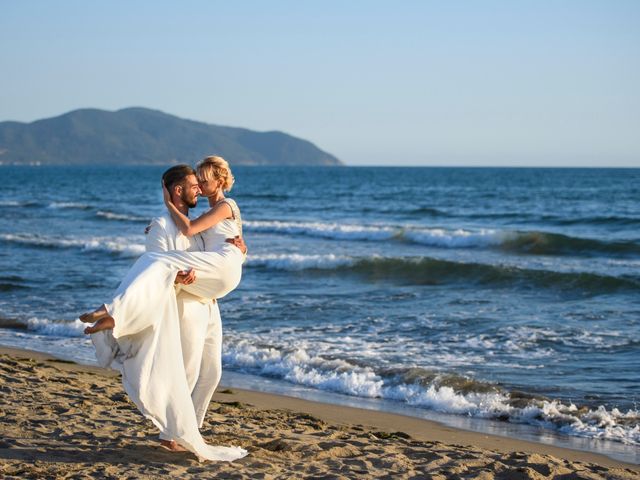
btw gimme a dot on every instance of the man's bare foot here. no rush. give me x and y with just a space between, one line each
172 445
105 323
92 317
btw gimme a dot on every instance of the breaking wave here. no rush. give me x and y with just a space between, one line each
18 203
122 246
47 327
121 217
324 230
70 205
432 271
447 393
430 389
533 243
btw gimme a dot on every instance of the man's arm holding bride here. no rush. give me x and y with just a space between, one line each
157 240
238 241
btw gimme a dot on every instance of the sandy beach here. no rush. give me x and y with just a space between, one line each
63 420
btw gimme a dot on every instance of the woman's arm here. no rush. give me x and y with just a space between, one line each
207 220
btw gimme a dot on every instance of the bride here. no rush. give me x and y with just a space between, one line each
138 332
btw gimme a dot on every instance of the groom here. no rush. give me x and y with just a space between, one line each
200 324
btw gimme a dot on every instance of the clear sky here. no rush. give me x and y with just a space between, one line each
447 82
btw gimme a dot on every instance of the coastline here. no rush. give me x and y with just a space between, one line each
329 439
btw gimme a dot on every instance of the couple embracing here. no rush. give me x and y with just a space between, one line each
162 328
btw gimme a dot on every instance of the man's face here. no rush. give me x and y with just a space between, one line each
190 191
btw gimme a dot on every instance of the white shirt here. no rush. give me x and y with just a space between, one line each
164 236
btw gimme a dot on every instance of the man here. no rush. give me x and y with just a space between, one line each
200 324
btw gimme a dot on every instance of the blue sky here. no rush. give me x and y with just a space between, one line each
405 83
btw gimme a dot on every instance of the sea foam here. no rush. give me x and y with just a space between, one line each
436 237
522 242
301 367
296 262
70 205
335 231
53 328
122 217
123 246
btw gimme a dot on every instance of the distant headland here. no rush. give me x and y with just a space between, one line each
135 136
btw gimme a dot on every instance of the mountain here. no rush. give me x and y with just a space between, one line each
143 136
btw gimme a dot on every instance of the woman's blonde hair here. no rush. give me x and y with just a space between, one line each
216 168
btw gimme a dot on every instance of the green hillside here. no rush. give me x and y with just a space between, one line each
142 136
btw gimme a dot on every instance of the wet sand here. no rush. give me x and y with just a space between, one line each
59 419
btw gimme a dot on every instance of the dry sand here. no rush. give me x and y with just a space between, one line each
63 420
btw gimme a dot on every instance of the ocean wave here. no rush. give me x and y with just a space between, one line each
43 326
433 271
513 216
18 203
46 327
420 212
69 205
501 216
436 237
12 282
544 243
297 262
120 246
518 217
447 393
12 323
432 212
265 196
10 286
611 220
532 243
324 230
556 220
432 389
121 217
460 238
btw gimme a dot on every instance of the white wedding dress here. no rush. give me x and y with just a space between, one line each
145 342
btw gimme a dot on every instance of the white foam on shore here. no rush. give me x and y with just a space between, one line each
300 367
314 367
53 328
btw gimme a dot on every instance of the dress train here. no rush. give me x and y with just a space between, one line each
144 344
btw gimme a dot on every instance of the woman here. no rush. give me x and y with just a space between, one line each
138 331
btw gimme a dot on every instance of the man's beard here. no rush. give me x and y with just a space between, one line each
191 203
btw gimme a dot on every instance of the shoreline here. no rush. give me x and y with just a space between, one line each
394 427
484 428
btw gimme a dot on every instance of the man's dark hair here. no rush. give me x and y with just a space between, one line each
176 174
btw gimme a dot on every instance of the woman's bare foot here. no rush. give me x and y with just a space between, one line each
94 316
105 323
172 445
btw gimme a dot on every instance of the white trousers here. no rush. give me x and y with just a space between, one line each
201 341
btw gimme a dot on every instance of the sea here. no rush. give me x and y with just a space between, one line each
502 300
